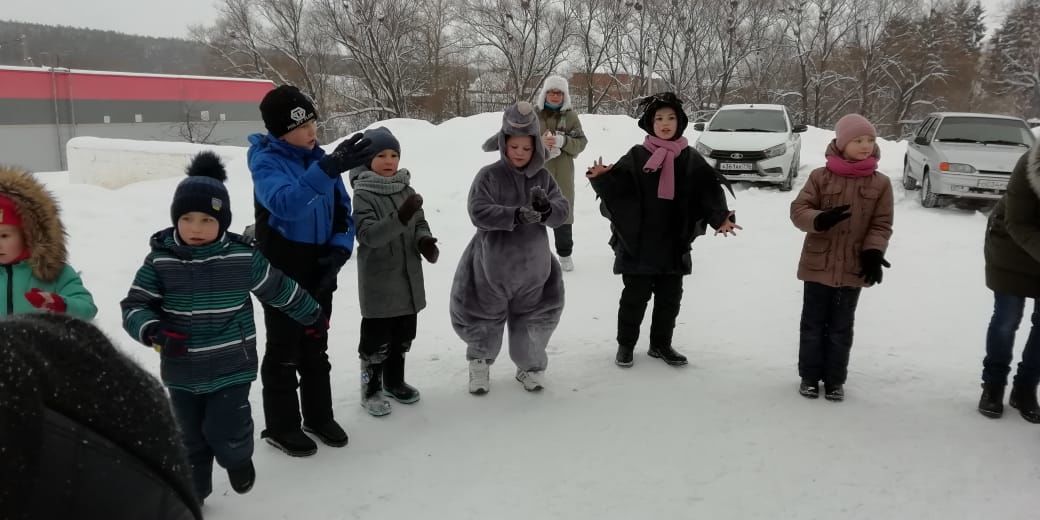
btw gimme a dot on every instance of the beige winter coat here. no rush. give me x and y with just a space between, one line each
832 257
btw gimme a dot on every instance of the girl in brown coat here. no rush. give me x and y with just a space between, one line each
846 211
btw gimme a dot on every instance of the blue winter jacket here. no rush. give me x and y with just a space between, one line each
288 182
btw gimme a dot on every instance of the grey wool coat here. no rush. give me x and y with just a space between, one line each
390 274
1013 233
508 272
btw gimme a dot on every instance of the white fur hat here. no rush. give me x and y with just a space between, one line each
555 83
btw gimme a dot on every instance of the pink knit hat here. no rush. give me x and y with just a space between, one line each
851 127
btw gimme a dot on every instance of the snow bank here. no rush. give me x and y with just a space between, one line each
114 163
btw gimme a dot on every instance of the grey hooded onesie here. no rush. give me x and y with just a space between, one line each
507 274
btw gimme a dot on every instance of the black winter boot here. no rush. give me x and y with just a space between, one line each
330 433
242 477
1023 397
991 404
809 389
294 443
668 355
833 393
393 380
624 356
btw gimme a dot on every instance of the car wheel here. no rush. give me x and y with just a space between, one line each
909 183
928 198
788 183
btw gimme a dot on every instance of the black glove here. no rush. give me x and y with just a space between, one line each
330 264
539 200
167 340
428 248
319 329
526 215
831 217
351 153
871 261
409 207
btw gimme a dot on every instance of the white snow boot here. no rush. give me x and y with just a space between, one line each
479 377
532 380
566 263
372 399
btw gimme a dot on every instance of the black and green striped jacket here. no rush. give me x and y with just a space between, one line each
204 292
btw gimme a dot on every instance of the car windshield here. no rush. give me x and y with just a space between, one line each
1008 132
748 120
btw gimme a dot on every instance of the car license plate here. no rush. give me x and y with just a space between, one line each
993 185
738 166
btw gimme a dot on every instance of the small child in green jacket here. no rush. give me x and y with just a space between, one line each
34 273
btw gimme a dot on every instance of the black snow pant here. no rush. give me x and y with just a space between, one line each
564 238
290 352
667 292
385 337
828 314
217 425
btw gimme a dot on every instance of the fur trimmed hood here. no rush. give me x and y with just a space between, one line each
1033 168
41 222
558 83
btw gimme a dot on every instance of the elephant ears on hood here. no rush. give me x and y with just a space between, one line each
41 222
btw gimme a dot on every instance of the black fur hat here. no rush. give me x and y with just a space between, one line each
651 104
203 191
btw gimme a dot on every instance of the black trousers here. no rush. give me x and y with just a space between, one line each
564 238
667 292
293 361
828 315
382 337
217 425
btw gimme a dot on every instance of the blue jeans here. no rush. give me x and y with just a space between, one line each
1000 341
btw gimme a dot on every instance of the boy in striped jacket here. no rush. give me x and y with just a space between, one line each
190 301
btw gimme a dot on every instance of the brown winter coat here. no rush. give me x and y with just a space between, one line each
832 257
1013 234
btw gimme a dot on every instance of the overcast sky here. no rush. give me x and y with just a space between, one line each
169 17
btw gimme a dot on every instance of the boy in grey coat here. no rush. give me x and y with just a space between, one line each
507 274
392 232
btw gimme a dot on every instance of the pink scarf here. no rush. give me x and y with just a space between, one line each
846 168
663 154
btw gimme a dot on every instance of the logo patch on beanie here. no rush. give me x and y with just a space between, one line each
216 203
298 114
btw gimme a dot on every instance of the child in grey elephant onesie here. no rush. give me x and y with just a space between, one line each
508 275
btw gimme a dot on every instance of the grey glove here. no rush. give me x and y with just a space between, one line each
526 215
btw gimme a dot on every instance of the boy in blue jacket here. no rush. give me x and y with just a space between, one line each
304 227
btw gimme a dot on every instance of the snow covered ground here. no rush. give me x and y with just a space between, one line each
726 437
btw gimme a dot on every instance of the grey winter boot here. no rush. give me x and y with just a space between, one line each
372 389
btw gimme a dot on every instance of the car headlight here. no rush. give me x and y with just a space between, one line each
776 151
702 149
956 167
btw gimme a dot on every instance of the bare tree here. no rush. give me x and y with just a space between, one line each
1016 55
599 24
383 45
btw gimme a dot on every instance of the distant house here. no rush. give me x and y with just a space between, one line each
616 89
42 108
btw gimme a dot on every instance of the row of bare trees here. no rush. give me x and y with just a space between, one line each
891 60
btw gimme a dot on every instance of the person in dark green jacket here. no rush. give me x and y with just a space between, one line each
1013 274
191 302
563 139
34 274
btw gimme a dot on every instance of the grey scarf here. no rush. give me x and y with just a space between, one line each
364 179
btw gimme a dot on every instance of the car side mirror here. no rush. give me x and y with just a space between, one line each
799 128
698 127
921 140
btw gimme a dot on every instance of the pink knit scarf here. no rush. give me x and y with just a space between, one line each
663 154
846 168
